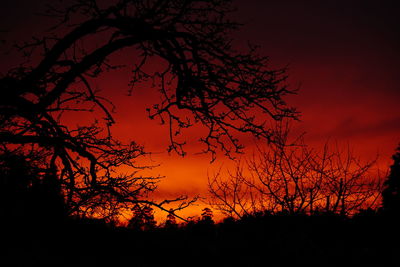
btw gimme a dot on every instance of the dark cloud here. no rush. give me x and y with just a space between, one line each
352 128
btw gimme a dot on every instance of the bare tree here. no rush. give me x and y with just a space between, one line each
294 178
203 80
231 195
207 215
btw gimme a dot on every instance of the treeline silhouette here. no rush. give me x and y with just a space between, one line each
257 239
55 176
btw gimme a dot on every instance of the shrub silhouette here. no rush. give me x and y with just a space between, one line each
391 192
29 192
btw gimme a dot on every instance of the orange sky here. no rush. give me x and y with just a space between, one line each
342 54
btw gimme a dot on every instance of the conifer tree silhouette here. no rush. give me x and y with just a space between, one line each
143 218
207 215
391 192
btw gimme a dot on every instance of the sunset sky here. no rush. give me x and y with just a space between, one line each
342 55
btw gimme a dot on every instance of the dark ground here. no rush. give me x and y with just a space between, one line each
263 240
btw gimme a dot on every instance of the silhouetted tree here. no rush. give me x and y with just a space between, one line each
207 215
143 218
391 192
292 178
201 78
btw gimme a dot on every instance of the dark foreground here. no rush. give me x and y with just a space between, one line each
263 240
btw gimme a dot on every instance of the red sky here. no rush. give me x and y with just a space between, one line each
343 55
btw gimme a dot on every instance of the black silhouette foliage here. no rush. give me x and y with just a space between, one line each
29 191
254 240
207 215
49 167
391 192
143 218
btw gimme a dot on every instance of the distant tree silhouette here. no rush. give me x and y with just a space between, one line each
171 220
391 191
293 178
201 78
207 215
143 218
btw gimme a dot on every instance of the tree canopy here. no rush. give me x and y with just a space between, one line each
204 81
